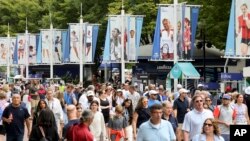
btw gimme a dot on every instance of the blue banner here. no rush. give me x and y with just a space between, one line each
139 23
38 48
230 50
66 44
94 40
15 57
231 76
106 54
156 43
194 23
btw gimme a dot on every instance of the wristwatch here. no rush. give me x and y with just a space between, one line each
126 138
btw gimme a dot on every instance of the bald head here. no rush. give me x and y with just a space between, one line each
71 112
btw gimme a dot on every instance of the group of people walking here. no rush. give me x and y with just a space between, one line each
103 113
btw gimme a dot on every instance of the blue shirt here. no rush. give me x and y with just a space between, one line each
151 102
68 98
150 132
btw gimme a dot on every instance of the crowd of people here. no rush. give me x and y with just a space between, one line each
104 113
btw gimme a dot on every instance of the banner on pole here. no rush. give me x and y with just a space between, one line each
163 45
113 43
4 45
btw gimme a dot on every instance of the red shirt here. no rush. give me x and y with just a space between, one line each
242 24
79 132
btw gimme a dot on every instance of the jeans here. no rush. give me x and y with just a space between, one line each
226 137
14 138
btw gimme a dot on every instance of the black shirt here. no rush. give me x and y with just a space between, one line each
181 107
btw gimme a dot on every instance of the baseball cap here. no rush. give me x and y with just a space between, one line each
200 85
90 93
152 92
247 90
226 96
182 90
179 86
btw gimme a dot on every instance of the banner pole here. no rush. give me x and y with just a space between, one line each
8 54
27 51
175 41
51 49
82 51
122 43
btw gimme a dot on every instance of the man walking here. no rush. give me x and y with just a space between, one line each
14 117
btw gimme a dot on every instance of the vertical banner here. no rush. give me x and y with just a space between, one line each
242 27
21 41
156 43
12 49
166 33
131 49
74 43
180 30
89 44
139 23
32 49
106 54
94 40
46 37
194 23
4 45
57 51
39 49
66 46
230 44
187 43
115 39
15 55
163 47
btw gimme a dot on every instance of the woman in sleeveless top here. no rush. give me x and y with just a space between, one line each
140 115
241 110
105 105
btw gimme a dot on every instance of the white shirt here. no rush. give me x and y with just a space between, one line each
97 127
56 108
194 120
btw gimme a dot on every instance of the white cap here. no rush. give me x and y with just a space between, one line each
179 86
182 90
135 84
152 92
119 90
247 90
90 93
200 85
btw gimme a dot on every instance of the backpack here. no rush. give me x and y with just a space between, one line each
219 109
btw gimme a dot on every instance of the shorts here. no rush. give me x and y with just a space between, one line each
88 44
2 130
245 41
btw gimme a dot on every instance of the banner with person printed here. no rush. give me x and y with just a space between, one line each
4 45
242 28
131 37
163 45
25 50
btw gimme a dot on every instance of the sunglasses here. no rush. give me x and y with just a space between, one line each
208 124
208 100
197 101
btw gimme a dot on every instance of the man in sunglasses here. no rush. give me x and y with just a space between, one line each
221 114
195 118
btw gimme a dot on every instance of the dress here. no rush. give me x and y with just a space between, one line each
166 45
105 112
50 133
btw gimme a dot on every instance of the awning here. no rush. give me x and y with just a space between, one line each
184 71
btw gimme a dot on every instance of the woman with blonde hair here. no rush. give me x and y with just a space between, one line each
241 110
3 105
210 132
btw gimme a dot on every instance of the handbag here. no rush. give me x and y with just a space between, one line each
43 138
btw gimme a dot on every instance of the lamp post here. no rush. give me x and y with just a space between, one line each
203 44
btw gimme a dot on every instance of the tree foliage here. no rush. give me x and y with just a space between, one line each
214 16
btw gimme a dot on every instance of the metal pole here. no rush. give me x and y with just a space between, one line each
175 42
8 54
82 51
27 50
122 43
204 54
51 51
